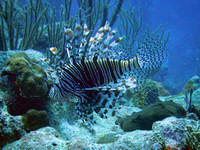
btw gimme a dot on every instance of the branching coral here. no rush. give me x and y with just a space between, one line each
130 25
14 19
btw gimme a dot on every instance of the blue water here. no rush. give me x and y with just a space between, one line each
181 19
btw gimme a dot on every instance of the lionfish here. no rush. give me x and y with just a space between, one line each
99 69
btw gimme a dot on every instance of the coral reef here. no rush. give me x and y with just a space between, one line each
192 138
130 25
28 84
145 118
34 119
11 128
171 131
148 94
28 78
180 99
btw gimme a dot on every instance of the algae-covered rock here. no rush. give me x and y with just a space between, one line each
34 119
145 118
26 83
26 76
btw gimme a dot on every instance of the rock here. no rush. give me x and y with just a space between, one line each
78 144
34 119
27 84
108 138
127 111
172 131
17 105
136 140
145 118
196 97
43 139
11 128
161 90
62 117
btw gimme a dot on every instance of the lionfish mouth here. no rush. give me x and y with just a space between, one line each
98 72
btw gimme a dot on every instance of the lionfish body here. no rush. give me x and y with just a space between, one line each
97 75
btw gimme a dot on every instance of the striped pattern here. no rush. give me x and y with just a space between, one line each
97 74
77 77
96 82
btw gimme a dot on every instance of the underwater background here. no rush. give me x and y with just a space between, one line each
180 19
99 74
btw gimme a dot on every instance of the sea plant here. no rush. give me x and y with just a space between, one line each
32 17
130 25
94 15
13 19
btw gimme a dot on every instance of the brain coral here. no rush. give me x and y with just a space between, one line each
26 76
